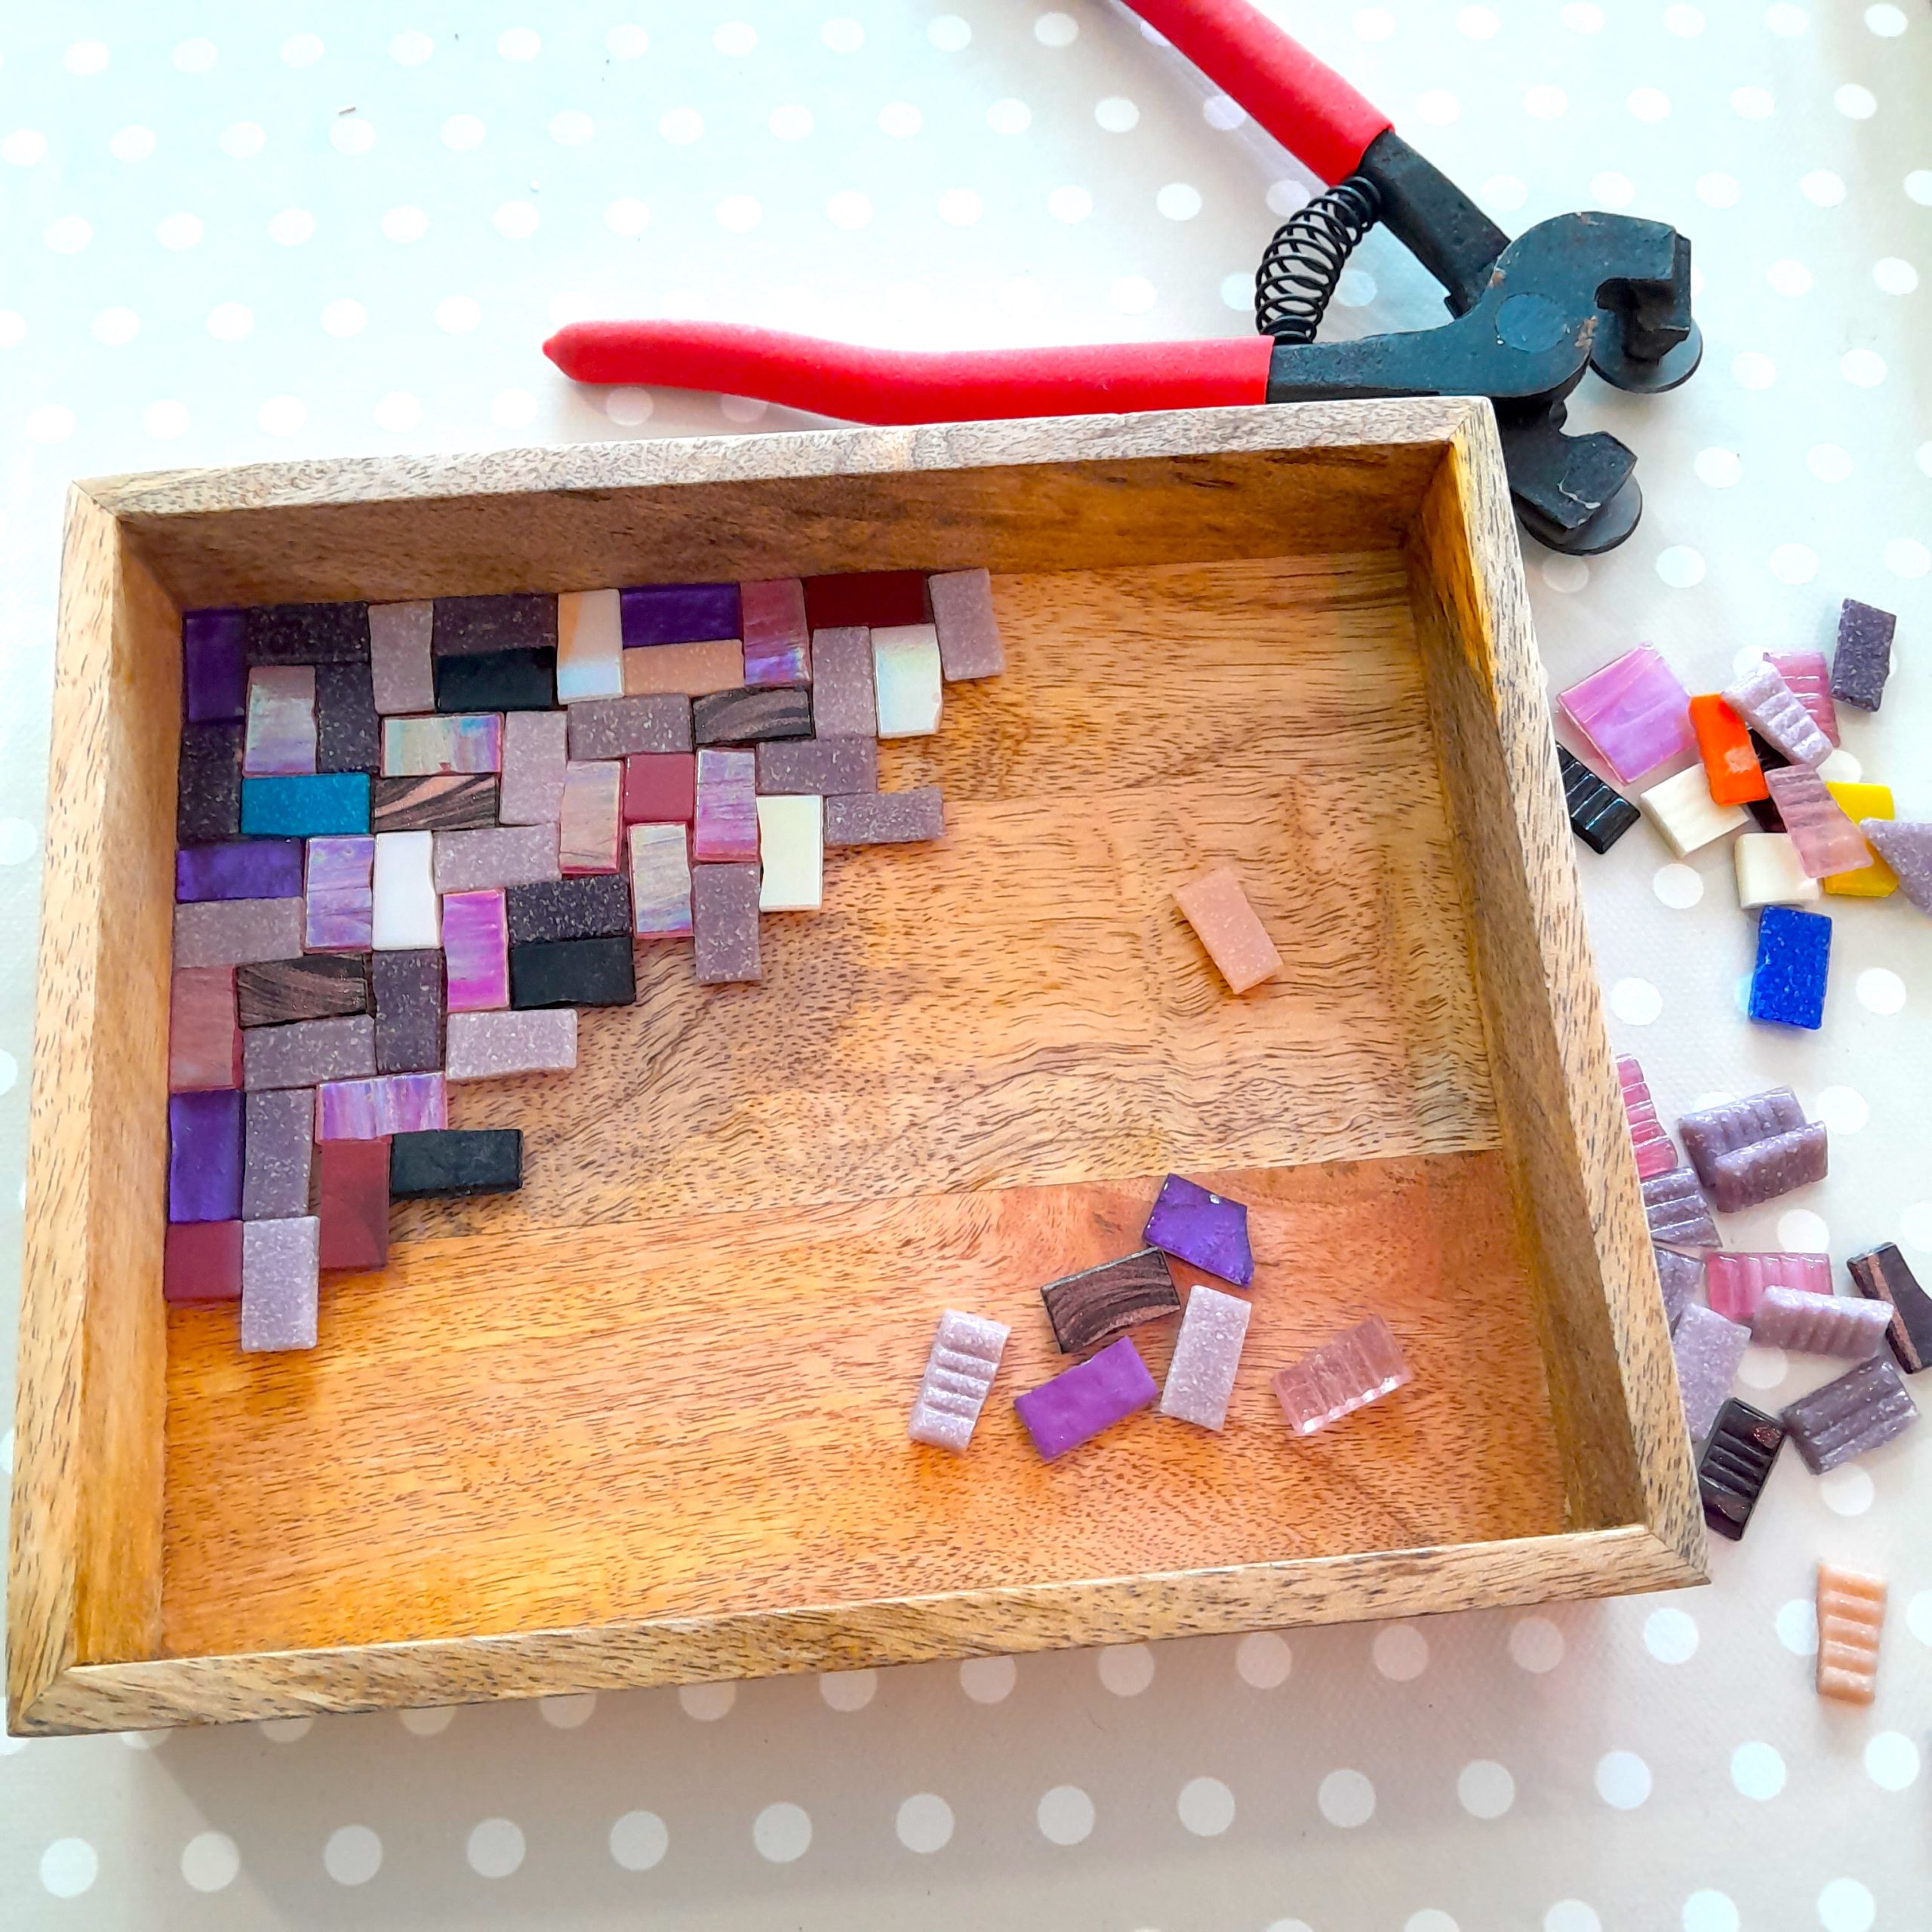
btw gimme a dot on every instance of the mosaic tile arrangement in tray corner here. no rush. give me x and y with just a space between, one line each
412 840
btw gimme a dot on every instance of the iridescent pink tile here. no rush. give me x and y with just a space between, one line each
424 747
1633 714
592 826
1735 1282
660 881
280 738
476 950
1826 840
1356 1368
727 826
777 646
339 905
1655 1153
1809 678
369 1110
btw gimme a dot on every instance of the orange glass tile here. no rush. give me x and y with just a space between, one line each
1723 743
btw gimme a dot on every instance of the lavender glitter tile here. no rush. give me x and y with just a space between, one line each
607 728
1708 1350
280 1279
960 1368
1773 710
1633 713
1678 1214
1207 1230
1081 1401
399 657
1678 1275
214 675
969 640
724 924
339 905
1907 848
204 1156
501 856
308 1052
1863 659
1206 1354
239 868
844 703
237 932
498 1046
280 739
833 767
1863 1409
1710 1133
279 1154
535 751
885 818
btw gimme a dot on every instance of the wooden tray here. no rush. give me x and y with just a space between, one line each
644 1422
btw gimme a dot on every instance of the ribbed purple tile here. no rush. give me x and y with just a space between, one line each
476 945
1633 713
1748 1176
1207 1230
1081 1401
726 825
239 868
339 905
214 673
1774 711
680 614
204 1156
1865 1407
1820 1324
1710 1133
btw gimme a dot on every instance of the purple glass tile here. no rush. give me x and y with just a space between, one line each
1360 1366
1633 714
476 944
1678 1275
1809 678
680 614
1713 1132
1907 848
777 645
280 734
1748 1176
239 868
1708 1349
960 1370
214 673
1736 1282
1773 710
280 1277
1820 1324
969 641
1081 1401
1206 1354
1863 659
726 828
373 1109
1207 1230
339 905
1826 840
1864 1407
844 703
204 1156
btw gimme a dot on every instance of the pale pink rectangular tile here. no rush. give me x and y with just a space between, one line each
242 932
531 792
495 1046
495 856
592 827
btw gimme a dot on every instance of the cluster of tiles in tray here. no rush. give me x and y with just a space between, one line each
1093 1310
412 840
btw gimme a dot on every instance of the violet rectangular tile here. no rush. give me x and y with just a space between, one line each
1081 1401
724 924
885 818
1206 1230
420 747
348 733
401 669
834 767
1816 1324
214 675
777 641
1736 1465
660 614
1648 1140
1883 1274
239 868
500 1046
204 1156
1863 659
309 1052
204 1041
1708 1350
476 952
506 680
1633 714
519 619
1736 1282
591 830
373 1109
1207 1355
752 715
500 857
207 798
450 801
279 740
535 752
338 898
960 1368
726 828
236 932
1809 678
306 633
280 1283
279 1153
1360 1366
596 906
661 881
201 1262
1086 1309
845 704
408 989
1679 1215
969 639
1865 1408
1750 1175
619 727
277 991
1773 710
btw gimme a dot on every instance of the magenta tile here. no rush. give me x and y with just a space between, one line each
1633 714
777 645
339 903
371 1109
727 827
476 947
280 741
1652 1144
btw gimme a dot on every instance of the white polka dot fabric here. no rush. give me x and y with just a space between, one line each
231 234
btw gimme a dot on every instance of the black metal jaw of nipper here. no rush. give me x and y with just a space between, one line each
1581 291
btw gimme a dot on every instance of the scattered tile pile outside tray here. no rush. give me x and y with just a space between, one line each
414 839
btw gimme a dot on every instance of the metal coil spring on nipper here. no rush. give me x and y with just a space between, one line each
1296 279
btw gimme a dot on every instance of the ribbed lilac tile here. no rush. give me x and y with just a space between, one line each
1907 848
1679 1215
960 1368
1774 711
1865 1407
1652 1145
1820 1324
1710 1133
280 1276
660 881
339 901
727 824
214 675
1809 678
1749 1176
237 932
402 669
1736 1282
371 1109
239 868
1708 1350
1206 1354
1827 840
1360 1366
1633 714
1207 1230
1081 1401
680 614
777 645
476 947
280 740
204 1156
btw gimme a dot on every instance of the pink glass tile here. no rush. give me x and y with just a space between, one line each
1735 1282
339 904
1633 714
1356 1368
727 828
1809 678
777 646
476 950
1655 1153
592 826
1826 840
280 740
369 1110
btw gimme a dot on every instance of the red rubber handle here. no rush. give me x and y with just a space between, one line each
1308 107
913 386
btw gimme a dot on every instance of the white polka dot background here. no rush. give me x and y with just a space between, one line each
237 234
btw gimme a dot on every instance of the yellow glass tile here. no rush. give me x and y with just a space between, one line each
1877 880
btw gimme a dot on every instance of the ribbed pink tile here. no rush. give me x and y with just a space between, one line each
1809 678
476 950
1735 1282
1655 1153
1826 841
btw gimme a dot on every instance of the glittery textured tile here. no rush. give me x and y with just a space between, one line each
617 727
502 855
969 640
516 620
534 754
348 735
214 676
207 798
204 1040
844 703
1678 1276
1774 711
280 740
590 645
838 767
279 1153
885 818
591 829
1851 1618
498 1046
777 643
726 828
451 801
1081 1401
724 924
309 1052
417 747
235 932
1218 909
1360 1366
1207 1355
1709 1133
371 1109
280 1281
1679 1215
1753 1175
1864 1409
407 989
661 881
239 868
1863 659
1794 961
399 659
476 950
305 633
597 905
339 895
1907 848
1708 1349
960 1369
